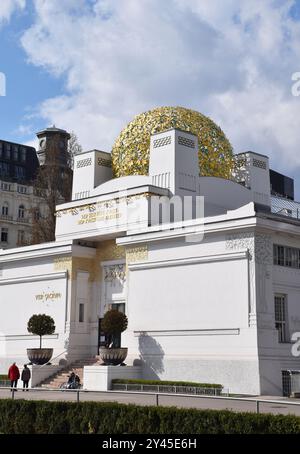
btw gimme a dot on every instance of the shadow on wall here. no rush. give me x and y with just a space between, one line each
151 357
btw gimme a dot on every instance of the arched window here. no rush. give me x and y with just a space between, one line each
5 209
21 211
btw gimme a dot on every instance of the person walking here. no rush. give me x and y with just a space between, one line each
13 375
25 377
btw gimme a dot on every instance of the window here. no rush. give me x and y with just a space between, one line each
281 318
23 154
4 169
21 212
21 236
5 187
5 209
19 172
4 235
16 153
81 312
7 151
119 307
286 256
22 189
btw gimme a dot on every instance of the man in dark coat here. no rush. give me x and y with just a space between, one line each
25 377
13 375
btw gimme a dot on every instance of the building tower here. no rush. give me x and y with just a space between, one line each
53 147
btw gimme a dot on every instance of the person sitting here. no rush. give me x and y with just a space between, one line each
74 381
71 379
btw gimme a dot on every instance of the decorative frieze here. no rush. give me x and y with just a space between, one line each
115 272
109 250
92 207
260 251
136 254
63 263
259 246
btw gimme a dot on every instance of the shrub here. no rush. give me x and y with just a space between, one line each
41 325
113 324
41 417
166 382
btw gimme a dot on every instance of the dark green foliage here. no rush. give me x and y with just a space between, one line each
114 322
167 382
41 325
41 417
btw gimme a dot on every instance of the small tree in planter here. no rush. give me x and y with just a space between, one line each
40 325
113 324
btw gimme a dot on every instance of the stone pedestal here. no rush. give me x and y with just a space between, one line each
99 378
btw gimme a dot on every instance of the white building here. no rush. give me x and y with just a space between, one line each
216 308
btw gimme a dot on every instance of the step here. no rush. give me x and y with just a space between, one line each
56 380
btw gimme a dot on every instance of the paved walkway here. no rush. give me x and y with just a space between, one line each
280 407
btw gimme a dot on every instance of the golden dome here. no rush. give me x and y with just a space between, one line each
130 153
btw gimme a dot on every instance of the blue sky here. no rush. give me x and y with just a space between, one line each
26 84
89 66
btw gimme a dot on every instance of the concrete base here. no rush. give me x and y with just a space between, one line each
99 378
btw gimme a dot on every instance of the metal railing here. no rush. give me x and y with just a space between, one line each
178 389
157 396
52 359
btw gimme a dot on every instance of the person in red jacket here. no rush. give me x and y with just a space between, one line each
13 375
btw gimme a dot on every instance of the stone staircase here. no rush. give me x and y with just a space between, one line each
56 380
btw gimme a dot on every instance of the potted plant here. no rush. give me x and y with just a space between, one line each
113 324
40 325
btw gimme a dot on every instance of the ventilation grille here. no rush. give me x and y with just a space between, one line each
162 142
259 164
186 142
84 163
104 162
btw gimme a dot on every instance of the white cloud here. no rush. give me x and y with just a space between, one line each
230 60
8 7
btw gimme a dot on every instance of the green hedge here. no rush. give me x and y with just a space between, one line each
167 382
41 417
4 377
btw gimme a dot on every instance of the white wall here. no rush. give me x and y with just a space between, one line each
189 321
20 299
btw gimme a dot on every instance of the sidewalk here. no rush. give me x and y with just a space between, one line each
280 406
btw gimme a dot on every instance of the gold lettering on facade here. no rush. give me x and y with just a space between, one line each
97 216
44 297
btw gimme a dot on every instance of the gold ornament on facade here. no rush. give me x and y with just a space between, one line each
136 254
92 207
63 264
109 250
130 153
84 264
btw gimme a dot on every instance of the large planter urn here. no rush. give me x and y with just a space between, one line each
113 356
39 355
